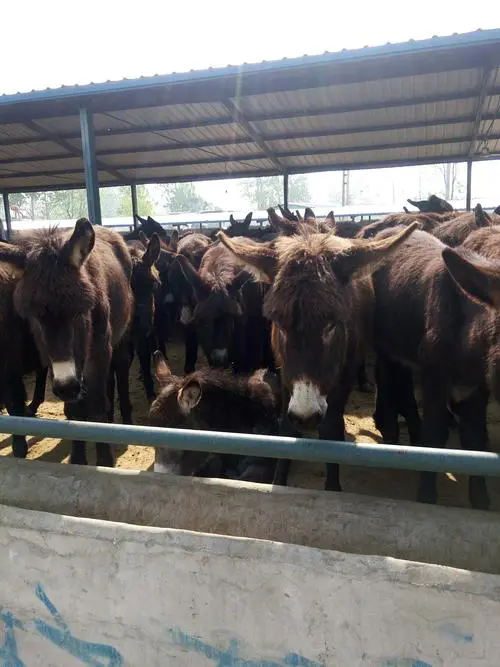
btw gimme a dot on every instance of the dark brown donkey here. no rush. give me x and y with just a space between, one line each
423 321
18 356
320 304
145 284
75 292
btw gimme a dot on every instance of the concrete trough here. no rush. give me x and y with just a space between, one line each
80 591
109 567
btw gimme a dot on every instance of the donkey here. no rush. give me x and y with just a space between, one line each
320 304
214 400
18 356
148 226
74 290
454 232
145 284
424 321
428 222
211 306
433 204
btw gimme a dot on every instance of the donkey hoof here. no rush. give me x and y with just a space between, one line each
19 448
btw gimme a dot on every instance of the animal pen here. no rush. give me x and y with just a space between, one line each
111 567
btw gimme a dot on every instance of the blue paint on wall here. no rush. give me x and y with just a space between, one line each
456 633
90 653
9 656
231 657
405 662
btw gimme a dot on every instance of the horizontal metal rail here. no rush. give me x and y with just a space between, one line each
302 449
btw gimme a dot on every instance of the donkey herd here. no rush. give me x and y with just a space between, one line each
285 316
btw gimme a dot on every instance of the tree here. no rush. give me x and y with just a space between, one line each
184 198
453 186
264 192
144 202
298 189
68 204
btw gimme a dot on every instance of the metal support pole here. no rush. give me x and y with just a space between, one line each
469 185
6 207
90 166
133 193
285 190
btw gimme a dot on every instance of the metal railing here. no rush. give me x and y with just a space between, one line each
303 449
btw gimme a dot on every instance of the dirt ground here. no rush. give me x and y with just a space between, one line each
452 489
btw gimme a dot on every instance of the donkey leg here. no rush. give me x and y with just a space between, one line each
474 436
78 452
39 393
144 346
121 370
407 405
435 425
333 429
386 414
15 404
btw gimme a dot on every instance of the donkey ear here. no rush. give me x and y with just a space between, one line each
260 259
330 219
81 242
190 275
143 239
231 219
482 218
418 204
141 220
299 216
248 219
478 277
161 369
309 215
189 396
152 253
364 257
497 210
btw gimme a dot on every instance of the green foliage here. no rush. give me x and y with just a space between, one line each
183 198
261 193
145 204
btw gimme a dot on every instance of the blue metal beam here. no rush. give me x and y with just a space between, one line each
6 207
285 189
90 166
302 449
133 194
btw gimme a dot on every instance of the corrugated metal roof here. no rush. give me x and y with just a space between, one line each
396 104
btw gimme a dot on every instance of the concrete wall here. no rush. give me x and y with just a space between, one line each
344 522
80 591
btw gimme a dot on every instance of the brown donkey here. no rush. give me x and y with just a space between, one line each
320 304
75 293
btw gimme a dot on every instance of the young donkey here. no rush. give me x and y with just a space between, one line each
75 292
320 305
214 400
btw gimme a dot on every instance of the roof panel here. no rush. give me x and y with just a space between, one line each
400 103
371 92
173 155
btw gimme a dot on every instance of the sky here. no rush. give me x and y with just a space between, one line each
54 43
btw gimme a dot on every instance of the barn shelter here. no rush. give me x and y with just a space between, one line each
419 102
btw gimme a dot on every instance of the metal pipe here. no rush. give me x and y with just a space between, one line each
133 194
90 166
469 185
302 449
8 221
285 190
